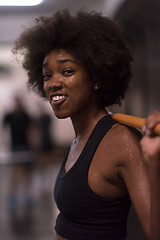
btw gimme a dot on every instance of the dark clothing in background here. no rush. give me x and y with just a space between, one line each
19 123
45 132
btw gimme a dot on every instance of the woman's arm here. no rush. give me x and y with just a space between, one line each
134 175
150 144
132 171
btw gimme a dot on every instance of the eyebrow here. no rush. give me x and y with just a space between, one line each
60 61
66 60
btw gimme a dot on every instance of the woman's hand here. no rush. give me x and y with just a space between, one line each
150 143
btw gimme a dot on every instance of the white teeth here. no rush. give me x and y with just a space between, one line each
57 98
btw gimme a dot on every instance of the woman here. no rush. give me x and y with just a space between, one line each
81 64
150 144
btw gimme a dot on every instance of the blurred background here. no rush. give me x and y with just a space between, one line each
28 171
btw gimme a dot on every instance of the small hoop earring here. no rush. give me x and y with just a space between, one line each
96 87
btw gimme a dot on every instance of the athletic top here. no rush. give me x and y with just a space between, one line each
83 213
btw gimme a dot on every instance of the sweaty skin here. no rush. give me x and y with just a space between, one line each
117 167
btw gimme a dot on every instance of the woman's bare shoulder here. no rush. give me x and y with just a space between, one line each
122 142
123 131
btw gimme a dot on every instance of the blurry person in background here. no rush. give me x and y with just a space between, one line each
81 64
19 121
150 144
45 132
46 143
45 150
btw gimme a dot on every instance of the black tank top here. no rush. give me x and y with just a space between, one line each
84 215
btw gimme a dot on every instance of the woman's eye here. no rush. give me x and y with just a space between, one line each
68 72
46 77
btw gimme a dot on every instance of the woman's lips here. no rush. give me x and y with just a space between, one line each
58 99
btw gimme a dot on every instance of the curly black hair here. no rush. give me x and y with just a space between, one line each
94 40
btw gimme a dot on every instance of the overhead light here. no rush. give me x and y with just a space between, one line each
20 2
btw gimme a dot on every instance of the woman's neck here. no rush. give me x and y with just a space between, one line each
84 124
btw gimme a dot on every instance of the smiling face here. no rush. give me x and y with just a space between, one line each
67 84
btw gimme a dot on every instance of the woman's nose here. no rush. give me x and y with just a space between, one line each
55 83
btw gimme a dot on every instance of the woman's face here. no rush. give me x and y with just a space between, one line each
67 84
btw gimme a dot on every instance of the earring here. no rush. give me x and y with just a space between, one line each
96 87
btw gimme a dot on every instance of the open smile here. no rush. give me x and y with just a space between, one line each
58 99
